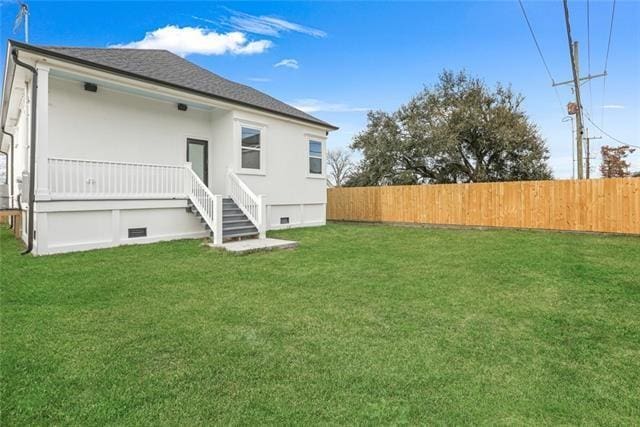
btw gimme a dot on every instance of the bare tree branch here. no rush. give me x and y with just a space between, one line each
339 167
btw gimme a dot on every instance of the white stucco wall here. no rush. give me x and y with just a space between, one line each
220 149
76 226
111 125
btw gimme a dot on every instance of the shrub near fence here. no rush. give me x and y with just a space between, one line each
599 205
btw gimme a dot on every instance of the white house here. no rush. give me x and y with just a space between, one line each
117 146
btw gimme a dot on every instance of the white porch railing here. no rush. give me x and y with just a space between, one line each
208 204
91 179
251 204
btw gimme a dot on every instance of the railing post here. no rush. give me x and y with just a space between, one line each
262 216
217 218
187 179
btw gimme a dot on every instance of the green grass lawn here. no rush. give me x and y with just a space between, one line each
360 324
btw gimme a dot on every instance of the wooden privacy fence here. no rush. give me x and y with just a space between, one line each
600 205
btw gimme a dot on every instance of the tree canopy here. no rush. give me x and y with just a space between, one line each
460 130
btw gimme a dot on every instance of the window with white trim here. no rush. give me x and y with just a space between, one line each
315 157
251 148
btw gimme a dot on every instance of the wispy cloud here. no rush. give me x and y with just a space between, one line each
311 105
264 25
185 41
289 63
259 79
613 107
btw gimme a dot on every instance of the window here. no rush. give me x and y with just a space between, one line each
251 148
315 157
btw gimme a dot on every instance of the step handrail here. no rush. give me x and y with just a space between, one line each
209 205
251 204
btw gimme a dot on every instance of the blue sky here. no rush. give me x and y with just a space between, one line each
337 60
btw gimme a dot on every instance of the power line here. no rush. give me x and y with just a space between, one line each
535 40
606 61
613 12
589 57
607 134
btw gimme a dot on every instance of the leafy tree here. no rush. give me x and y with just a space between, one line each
457 131
614 161
339 167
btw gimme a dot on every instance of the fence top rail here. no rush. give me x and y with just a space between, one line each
547 181
116 162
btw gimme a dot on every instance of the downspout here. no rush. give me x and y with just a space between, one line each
10 173
32 159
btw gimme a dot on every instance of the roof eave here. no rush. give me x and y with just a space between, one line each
89 64
9 73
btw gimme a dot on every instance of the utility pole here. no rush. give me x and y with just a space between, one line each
588 153
573 147
588 141
575 65
575 68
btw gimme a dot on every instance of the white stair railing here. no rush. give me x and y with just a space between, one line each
252 205
209 205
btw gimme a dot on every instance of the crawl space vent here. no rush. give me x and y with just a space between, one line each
138 232
284 220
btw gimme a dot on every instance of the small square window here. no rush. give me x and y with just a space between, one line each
315 165
315 148
250 159
250 138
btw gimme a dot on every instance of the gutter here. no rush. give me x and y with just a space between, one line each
32 154
9 75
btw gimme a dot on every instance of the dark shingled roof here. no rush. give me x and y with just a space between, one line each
165 67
